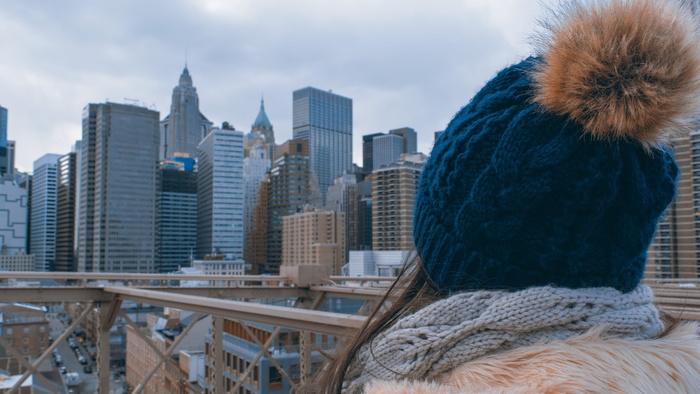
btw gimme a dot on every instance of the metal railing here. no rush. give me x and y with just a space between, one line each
680 299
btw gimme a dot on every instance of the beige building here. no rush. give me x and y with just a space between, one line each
314 236
26 329
394 190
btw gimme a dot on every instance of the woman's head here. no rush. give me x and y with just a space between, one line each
553 173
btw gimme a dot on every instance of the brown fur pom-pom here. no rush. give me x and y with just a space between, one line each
622 68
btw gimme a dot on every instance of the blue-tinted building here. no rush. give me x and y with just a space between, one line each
325 120
4 160
177 214
3 127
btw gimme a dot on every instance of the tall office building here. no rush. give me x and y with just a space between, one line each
44 207
368 152
255 169
177 214
314 237
183 129
11 154
65 212
342 198
410 139
325 120
394 190
220 189
117 207
386 150
382 149
4 162
286 190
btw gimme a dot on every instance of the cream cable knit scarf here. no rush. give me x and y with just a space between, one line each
465 326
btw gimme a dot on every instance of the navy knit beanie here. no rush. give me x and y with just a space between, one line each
554 174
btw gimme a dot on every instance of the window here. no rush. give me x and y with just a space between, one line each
275 381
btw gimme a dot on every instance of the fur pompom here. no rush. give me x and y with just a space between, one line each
624 69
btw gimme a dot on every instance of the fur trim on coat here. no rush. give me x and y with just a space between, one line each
586 363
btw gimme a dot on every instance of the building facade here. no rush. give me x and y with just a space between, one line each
177 214
117 207
387 263
255 168
314 237
25 328
220 190
4 159
261 133
66 212
324 119
386 149
163 330
14 204
183 129
44 200
288 190
342 197
394 190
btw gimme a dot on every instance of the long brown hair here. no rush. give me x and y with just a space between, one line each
411 291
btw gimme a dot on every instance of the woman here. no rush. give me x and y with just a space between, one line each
532 221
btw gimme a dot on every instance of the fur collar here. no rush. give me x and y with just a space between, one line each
585 363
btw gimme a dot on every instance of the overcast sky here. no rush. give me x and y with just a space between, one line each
404 63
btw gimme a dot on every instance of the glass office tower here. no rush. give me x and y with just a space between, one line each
325 120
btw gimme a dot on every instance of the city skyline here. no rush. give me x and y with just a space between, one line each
403 65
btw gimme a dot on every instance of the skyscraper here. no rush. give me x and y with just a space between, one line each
262 126
255 168
117 208
177 214
325 120
386 150
44 209
410 139
11 149
65 212
183 129
368 152
4 162
220 189
285 191
342 198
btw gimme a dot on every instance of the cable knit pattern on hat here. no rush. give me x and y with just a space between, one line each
465 326
514 196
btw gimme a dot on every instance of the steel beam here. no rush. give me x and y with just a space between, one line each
315 321
243 292
135 277
52 295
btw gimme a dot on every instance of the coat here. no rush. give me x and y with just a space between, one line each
585 363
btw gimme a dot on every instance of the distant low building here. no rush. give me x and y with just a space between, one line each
376 262
163 330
